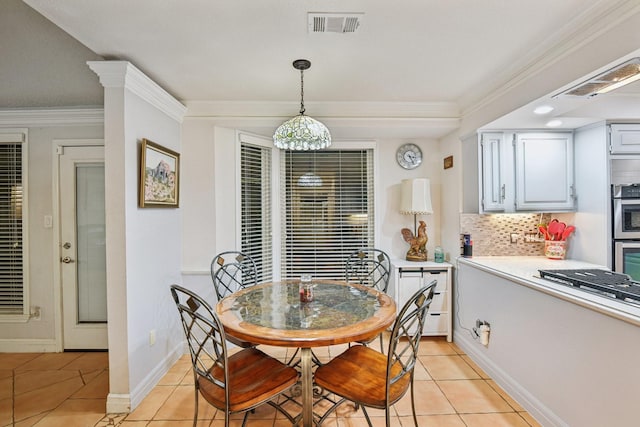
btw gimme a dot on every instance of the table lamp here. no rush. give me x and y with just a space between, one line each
415 199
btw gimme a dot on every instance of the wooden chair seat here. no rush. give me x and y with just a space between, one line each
360 374
254 378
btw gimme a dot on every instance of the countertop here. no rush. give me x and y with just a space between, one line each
524 271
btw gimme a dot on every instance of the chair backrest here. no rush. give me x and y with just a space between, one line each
405 337
370 267
205 338
232 271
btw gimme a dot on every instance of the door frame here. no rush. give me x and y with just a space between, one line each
58 146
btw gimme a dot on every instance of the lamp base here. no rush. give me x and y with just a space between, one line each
413 256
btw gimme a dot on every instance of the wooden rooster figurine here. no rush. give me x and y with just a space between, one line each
417 250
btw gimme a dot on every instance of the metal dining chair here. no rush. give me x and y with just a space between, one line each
230 272
370 267
372 379
234 383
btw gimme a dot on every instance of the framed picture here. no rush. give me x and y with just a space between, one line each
448 162
159 176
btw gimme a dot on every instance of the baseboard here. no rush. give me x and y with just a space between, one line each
152 379
25 345
535 407
118 403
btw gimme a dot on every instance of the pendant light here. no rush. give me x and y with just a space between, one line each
302 132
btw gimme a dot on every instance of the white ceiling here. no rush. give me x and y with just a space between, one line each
438 57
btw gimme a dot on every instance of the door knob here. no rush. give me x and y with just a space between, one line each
67 260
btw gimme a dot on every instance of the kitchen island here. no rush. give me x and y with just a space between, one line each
568 356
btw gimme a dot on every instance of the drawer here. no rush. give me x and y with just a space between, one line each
424 277
439 302
436 323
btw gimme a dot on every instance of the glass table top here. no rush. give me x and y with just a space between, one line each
278 306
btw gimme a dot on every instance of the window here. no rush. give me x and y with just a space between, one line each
255 183
12 267
327 207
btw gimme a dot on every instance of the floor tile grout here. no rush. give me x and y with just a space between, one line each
438 359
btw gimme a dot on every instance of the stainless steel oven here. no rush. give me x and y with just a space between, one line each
627 258
626 211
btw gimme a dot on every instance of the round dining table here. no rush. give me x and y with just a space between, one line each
274 314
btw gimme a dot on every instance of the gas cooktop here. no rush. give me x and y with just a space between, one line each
605 283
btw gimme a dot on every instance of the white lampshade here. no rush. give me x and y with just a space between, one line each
416 196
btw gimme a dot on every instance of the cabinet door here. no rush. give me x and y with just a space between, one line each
625 138
544 171
493 172
410 282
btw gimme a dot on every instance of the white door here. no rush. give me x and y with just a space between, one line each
82 247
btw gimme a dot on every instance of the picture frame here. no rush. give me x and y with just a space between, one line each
448 162
159 176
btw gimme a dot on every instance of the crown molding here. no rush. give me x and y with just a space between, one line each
123 74
284 110
52 117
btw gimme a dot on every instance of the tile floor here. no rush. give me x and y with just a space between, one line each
69 390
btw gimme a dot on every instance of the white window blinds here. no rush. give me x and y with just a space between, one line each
255 171
327 203
12 286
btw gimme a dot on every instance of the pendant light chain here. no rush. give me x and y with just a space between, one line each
302 110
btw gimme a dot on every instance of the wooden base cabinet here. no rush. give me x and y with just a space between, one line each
410 276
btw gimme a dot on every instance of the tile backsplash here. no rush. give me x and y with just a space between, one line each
491 234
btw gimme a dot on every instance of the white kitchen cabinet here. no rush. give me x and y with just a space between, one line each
526 172
624 138
409 276
494 172
544 171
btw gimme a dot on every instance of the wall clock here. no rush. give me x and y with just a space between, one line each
409 156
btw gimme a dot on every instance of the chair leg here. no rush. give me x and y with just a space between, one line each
244 419
195 412
291 360
366 416
413 404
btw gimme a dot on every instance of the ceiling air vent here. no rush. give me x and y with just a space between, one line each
341 23
611 79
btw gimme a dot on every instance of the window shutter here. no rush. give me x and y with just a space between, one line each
327 210
256 207
12 286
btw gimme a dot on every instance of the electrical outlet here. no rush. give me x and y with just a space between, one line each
484 334
514 237
152 337
35 312
532 238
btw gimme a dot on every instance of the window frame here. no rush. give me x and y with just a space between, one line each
260 141
277 158
20 136
340 146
